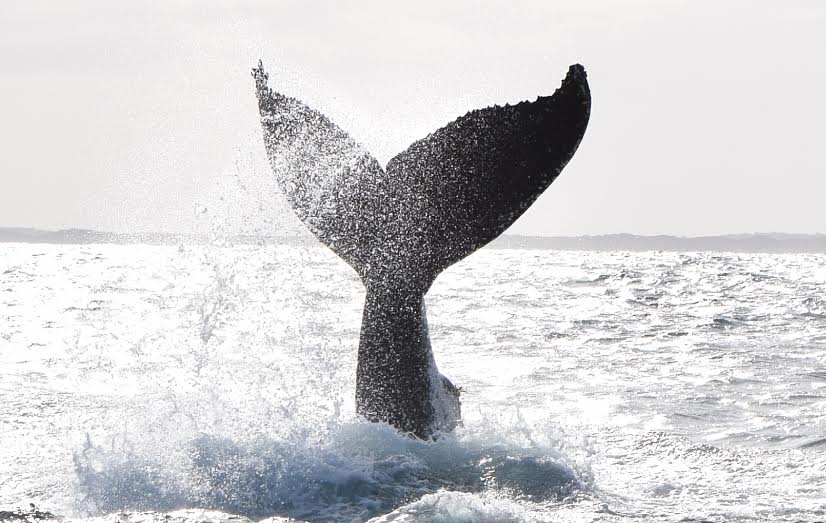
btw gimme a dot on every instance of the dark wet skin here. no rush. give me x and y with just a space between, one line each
443 198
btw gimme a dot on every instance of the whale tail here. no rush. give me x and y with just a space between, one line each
444 197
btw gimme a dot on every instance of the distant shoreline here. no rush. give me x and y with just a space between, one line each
758 242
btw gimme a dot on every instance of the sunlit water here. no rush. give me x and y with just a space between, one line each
197 383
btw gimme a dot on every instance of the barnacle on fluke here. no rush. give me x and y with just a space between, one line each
446 196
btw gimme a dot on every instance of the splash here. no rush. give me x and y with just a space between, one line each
357 471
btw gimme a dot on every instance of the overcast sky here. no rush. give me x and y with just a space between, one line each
708 117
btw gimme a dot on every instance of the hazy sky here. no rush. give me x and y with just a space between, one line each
708 116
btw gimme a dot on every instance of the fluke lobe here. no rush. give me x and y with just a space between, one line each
446 196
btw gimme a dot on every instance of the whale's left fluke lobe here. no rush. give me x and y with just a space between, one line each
325 175
447 195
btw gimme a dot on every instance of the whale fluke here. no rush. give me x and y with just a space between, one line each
444 197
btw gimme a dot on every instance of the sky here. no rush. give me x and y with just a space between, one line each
708 116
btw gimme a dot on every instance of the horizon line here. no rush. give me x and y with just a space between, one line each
728 235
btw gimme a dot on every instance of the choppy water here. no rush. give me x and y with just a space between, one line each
191 383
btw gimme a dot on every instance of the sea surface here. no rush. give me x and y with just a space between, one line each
216 383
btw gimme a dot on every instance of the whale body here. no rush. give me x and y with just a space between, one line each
398 227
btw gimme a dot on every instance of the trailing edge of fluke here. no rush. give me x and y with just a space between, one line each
444 197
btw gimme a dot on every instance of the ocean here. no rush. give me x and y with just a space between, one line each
216 383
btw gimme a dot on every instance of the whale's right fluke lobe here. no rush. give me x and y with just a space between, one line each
447 195
470 180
